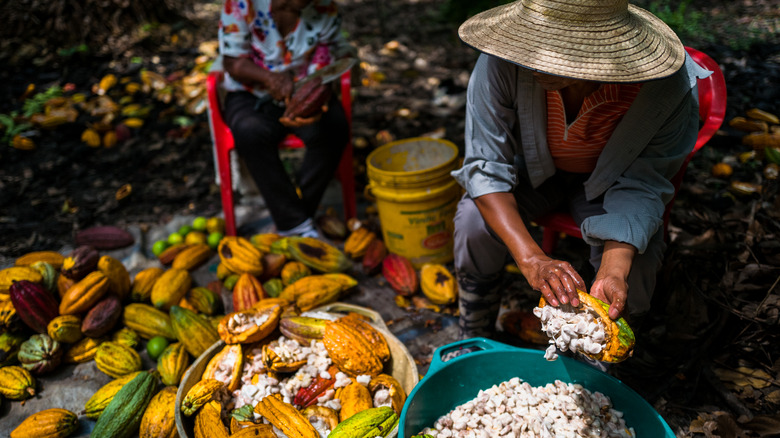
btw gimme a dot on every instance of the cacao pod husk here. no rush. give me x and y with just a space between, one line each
240 256
438 284
202 393
285 417
230 357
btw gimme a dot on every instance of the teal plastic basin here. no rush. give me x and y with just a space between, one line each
452 383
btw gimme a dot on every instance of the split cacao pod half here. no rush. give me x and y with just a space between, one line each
317 255
226 366
35 306
48 423
400 274
105 237
201 393
358 241
278 363
438 284
40 354
303 329
251 325
80 262
386 386
619 337
208 422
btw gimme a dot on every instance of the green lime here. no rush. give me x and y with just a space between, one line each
159 247
213 239
175 238
156 346
199 223
184 229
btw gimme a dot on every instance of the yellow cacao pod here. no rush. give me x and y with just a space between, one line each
96 404
65 328
16 273
438 284
117 275
16 383
148 321
201 393
317 255
293 271
82 351
126 336
263 241
354 398
141 289
357 242
169 289
192 257
159 417
51 257
91 138
172 363
117 359
48 423
240 256
84 294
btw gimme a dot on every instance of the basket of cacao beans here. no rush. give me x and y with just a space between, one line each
333 371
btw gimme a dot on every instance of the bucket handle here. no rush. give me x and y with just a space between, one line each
369 194
465 346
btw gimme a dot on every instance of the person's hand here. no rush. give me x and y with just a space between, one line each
557 280
297 122
281 86
613 290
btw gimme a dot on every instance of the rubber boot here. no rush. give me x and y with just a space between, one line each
479 300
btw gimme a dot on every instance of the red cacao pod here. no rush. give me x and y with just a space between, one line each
247 292
104 237
34 305
375 254
400 274
309 99
80 262
103 317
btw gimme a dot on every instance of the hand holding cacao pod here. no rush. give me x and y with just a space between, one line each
307 103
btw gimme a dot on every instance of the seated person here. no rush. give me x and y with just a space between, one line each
584 105
268 45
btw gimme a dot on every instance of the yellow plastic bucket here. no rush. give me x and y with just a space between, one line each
416 197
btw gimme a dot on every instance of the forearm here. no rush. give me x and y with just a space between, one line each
244 70
617 259
501 214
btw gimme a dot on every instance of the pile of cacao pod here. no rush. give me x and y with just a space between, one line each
762 135
246 386
435 280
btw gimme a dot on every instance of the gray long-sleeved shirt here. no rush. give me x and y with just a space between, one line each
506 129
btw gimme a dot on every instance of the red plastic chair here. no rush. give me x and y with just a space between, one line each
712 111
223 143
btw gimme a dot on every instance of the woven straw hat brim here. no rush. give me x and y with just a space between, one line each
631 47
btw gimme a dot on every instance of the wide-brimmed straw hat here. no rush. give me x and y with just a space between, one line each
597 40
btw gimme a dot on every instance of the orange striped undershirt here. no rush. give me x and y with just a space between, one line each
576 147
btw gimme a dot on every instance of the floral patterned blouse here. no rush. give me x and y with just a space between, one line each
247 29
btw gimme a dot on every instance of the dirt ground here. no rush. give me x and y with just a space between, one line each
717 303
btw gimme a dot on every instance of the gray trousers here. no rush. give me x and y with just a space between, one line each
480 256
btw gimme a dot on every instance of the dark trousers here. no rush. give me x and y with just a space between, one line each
257 134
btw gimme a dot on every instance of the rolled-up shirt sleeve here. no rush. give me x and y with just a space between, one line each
491 120
635 203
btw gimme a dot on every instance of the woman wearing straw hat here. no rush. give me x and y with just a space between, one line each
587 105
